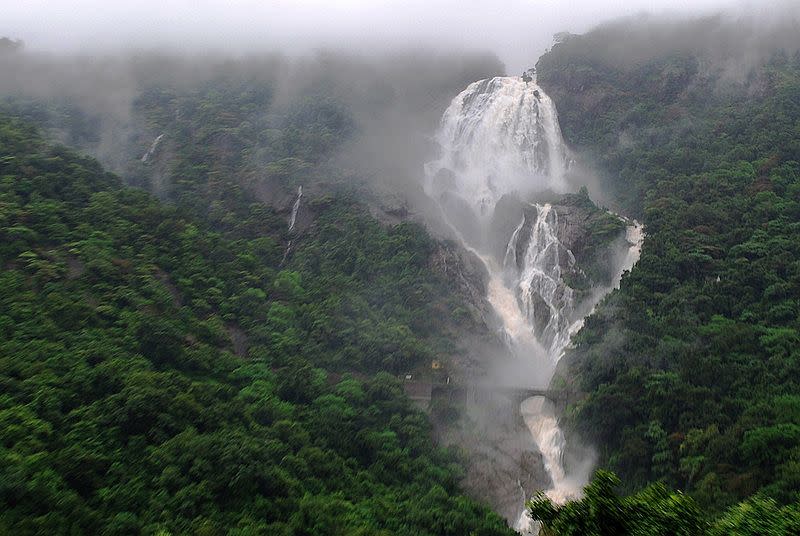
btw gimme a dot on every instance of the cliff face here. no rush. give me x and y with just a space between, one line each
467 273
503 464
502 459
592 235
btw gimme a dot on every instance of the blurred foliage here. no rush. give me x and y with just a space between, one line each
657 511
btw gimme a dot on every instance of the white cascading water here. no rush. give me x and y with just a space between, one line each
501 136
496 136
292 221
296 207
538 278
152 150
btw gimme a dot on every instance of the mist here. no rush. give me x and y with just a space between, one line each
393 66
731 41
517 31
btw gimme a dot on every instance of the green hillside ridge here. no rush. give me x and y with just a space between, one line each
124 407
690 373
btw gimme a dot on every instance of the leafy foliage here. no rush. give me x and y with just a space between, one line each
656 511
691 369
124 408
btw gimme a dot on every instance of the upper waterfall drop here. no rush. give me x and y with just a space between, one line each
498 136
501 137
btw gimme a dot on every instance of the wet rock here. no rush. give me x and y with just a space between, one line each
505 467
467 272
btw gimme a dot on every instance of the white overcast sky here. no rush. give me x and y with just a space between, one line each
518 31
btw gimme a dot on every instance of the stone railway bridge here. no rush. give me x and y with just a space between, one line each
421 393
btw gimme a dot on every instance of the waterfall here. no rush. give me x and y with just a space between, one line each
296 207
152 150
543 292
497 135
292 221
500 137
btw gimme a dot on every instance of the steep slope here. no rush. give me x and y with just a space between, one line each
124 408
690 371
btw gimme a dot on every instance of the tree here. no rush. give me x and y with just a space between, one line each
654 511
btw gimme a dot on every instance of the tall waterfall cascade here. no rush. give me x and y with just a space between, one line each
500 138
497 136
539 278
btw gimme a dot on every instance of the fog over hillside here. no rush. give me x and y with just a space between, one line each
518 31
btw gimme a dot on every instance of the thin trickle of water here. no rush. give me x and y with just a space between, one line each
296 207
292 221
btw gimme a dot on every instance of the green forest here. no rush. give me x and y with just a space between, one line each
164 373
688 376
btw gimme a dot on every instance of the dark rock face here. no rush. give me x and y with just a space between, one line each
507 215
573 226
502 466
595 237
541 315
469 275
585 230
574 229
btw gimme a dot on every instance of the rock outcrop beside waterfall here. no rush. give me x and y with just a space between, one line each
468 275
596 238
503 468
592 235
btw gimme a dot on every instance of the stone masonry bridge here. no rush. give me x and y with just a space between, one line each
422 393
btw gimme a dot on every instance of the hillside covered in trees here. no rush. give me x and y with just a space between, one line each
164 373
689 374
